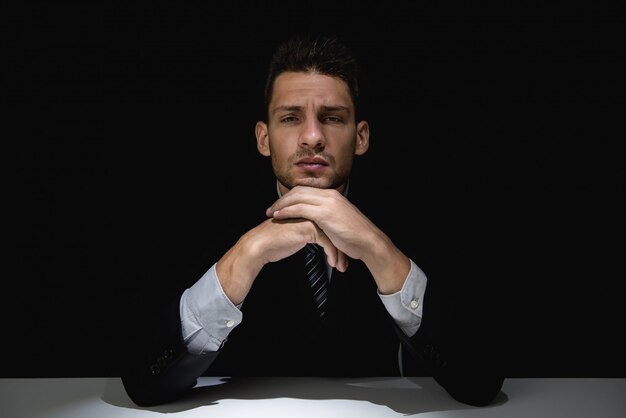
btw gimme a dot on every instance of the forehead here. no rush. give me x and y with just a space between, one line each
299 88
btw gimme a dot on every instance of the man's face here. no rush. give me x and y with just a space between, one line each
311 133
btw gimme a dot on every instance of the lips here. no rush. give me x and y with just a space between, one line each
312 161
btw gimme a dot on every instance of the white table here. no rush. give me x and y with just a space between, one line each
303 397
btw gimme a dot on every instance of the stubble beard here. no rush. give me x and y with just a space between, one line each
285 177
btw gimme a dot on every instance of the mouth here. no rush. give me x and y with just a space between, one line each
312 163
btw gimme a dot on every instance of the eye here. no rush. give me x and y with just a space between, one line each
288 119
333 119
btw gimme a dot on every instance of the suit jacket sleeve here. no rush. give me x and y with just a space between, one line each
160 369
455 345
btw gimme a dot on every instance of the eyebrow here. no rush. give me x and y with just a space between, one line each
323 108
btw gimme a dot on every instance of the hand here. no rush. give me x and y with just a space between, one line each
270 241
351 232
275 239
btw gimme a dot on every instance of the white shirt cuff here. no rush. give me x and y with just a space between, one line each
207 315
406 305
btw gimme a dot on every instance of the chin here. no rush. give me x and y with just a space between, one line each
313 182
319 182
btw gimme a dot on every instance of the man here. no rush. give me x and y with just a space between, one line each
268 306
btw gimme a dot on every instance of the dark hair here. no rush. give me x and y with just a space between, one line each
314 54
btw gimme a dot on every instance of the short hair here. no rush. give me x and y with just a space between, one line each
319 54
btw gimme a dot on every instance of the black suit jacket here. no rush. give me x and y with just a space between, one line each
281 336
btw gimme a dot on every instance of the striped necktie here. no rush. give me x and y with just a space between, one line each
317 275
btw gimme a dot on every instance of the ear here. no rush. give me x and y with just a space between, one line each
262 138
362 138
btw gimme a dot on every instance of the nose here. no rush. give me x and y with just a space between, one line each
312 135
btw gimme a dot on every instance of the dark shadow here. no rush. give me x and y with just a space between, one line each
407 396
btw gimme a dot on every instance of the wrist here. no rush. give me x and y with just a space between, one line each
237 269
388 265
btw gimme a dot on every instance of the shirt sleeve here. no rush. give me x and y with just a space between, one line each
405 306
207 314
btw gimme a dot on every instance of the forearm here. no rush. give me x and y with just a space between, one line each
182 343
207 314
159 368
388 265
238 268
406 305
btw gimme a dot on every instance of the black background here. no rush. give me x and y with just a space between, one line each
132 127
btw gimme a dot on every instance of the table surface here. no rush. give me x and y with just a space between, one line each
304 397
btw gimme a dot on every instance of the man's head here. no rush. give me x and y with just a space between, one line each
321 55
311 131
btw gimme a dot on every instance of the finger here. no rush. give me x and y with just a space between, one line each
298 195
332 253
299 210
334 257
342 261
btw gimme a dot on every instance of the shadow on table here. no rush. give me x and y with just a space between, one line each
404 395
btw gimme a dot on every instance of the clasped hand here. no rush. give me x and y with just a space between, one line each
312 215
328 219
